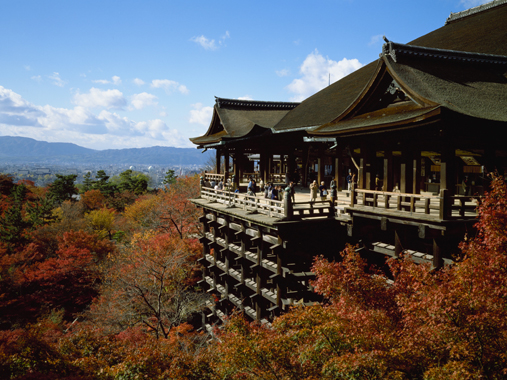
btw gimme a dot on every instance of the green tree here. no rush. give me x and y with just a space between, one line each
103 185
63 188
87 182
40 211
12 223
133 181
169 178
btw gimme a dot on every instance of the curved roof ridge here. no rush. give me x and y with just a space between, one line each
254 104
394 50
468 12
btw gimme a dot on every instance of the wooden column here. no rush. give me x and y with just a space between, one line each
226 161
262 166
218 159
437 253
320 171
291 166
337 174
406 172
241 167
416 171
388 184
448 169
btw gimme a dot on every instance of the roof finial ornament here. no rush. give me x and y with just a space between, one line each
385 39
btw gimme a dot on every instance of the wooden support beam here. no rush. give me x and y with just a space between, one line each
388 184
398 248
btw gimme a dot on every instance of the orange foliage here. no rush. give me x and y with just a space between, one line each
93 199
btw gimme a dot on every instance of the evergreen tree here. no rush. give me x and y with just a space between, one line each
87 182
169 178
12 223
63 188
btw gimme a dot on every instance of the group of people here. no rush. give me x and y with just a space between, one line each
322 191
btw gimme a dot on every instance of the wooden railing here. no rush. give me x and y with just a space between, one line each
252 204
442 206
214 177
304 210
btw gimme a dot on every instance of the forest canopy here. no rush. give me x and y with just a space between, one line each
106 287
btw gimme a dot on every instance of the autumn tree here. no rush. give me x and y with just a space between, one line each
170 210
150 284
426 324
93 199
101 222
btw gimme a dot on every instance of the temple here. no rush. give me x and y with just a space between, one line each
420 128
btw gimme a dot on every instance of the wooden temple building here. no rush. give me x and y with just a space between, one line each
420 127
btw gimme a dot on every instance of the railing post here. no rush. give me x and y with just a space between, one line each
352 196
444 204
287 204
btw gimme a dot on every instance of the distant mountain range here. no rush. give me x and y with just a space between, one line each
27 150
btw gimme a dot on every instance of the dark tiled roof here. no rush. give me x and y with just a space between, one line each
396 50
254 104
330 102
472 86
437 72
406 115
480 32
468 12
233 118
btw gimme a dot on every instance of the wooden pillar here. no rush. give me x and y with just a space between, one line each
437 253
263 166
416 171
398 248
226 159
320 169
448 169
291 167
406 172
218 159
337 174
241 167
388 184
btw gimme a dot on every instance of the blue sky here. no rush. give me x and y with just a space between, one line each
129 74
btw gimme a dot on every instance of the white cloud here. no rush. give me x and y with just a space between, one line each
139 101
283 72
138 81
201 115
473 3
80 126
209 44
374 40
224 37
114 80
169 85
204 42
37 78
98 98
246 97
27 67
317 71
57 81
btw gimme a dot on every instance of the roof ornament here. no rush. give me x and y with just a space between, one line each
387 49
468 12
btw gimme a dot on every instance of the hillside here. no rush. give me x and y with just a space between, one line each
24 150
